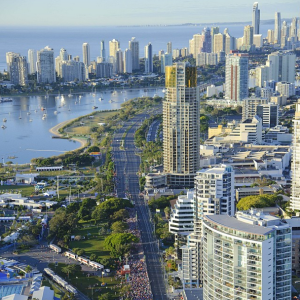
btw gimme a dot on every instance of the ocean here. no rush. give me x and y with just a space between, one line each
20 39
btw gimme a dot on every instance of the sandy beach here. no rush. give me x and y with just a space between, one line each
55 131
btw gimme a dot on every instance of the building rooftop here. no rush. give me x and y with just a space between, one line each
233 223
193 294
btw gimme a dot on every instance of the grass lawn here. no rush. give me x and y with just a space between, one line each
89 123
26 190
94 244
90 286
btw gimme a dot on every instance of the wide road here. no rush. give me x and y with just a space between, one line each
127 165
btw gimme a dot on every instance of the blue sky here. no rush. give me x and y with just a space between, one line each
136 12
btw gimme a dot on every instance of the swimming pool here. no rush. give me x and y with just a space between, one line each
6 290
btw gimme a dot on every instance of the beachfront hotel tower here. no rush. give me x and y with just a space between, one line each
181 125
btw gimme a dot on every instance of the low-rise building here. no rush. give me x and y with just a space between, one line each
242 192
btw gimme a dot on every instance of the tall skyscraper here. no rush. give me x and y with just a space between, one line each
213 32
148 59
282 66
135 52
269 114
295 167
119 62
248 37
246 257
45 66
102 50
169 47
128 61
213 195
255 18
236 76
166 60
17 68
277 29
207 40
181 125
63 54
218 42
86 54
31 61
196 44
114 46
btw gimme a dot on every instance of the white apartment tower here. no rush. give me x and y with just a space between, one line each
236 76
45 66
17 68
181 125
255 18
86 54
169 47
295 167
148 58
128 61
213 194
102 51
31 61
250 106
246 257
135 52
277 29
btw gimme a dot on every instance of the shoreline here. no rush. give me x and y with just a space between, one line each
55 132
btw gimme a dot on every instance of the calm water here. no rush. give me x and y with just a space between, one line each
27 139
20 39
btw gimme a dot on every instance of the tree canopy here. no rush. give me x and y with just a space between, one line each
257 202
120 243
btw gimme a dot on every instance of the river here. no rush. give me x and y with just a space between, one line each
27 135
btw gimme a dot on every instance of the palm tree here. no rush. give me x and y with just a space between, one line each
68 269
28 269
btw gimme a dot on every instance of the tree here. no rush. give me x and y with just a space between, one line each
120 215
167 212
70 269
28 269
93 257
257 202
103 297
120 243
80 252
93 149
119 227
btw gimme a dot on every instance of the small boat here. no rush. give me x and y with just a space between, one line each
3 126
4 120
70 95
12 157
125 99
100 99
30 120
94 95
80 96
110 101
35 110
28 113
95 107
43 108
20 117
55 112
163 90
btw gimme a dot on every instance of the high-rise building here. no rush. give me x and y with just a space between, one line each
160 53
277 28
71 70
102 51
250 106
119 62
104 70
196 44
247 257
17 68
45 66
255 18
248 38
286 89
135 51
295 167
258 40
207 40
218 42
63 54
230 43
269 114
166 60
31 61
270 36
213 194
236 77
213 31
169 47
148 58
294 28
282 66
128 61
181 125
86 54
182 220
114 46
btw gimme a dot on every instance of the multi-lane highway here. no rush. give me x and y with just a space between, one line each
127 181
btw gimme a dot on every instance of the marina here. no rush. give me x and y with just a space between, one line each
28 119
